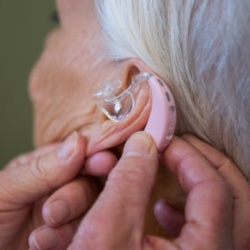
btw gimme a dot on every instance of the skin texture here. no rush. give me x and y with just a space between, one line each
71 68
40 191
27 182
215 218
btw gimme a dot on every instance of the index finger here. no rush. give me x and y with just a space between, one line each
208 209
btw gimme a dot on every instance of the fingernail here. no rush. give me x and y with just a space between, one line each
160 205
59 212
67 147
43 239
139 144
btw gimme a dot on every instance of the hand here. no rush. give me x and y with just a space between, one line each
27 181
173 221
239 187
116 220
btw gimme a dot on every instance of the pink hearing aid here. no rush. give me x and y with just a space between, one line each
162 119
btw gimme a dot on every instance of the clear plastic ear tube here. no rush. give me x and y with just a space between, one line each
117 104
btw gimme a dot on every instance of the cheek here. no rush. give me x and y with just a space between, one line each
65 68
62 84
57 97
61 93
48 82
41 79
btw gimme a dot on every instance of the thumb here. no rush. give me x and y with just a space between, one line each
125 197
130 183
25 184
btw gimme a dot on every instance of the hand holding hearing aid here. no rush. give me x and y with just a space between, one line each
217 200
116 220
116 223
117 217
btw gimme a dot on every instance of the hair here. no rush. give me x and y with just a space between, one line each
202 50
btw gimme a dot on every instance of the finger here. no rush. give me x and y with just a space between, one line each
27 157
169 218
130 183
29 182
223 164
70 201
123 202
209 202
53 238
238 183
100 164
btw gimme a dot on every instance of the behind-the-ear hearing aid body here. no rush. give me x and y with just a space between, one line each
162 118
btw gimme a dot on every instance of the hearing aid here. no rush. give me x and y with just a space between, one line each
117 105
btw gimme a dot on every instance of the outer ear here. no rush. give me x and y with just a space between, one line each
105 133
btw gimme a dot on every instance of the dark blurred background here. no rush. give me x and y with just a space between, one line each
23 27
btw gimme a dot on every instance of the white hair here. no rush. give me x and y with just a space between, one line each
202 50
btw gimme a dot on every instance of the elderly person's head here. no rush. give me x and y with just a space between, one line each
201 49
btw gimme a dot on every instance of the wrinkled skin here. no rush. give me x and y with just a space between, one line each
27 182
72 66
216 212
62 84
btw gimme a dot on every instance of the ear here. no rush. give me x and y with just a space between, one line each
105 133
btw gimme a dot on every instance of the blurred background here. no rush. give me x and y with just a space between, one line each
23 27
